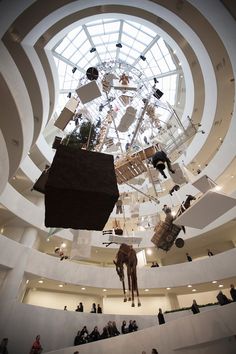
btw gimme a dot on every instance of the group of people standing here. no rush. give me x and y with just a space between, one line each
80 308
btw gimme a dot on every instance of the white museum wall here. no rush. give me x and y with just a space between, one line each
57 300
149 305
202 298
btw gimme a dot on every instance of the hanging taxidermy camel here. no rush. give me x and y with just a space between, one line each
127 255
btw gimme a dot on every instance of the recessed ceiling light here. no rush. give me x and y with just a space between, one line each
149 251
189 286
40 281
60 285
82 288
214 282
218 188
168 288
104 290
232 176
221 286
146 290
180 64
27 281
173 213
47 239
194 290
63 245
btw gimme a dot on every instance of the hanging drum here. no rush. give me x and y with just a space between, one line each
179 242
92 73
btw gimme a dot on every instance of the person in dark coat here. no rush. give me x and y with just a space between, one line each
222 299
124 328
159 160
189 258
81 307
77 339
210 254
195 307
3 346
233 292
99 309
94 335
94 308
161 318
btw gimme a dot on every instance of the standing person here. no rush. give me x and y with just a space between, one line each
195 307
36 347
233 292
99 309
161 318
210 254
189 258
65 308
3 346
154 351
94 308
81 307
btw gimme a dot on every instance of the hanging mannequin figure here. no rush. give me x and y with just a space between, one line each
124 79
159 160
60 252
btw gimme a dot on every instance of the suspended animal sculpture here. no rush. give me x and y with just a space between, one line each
127 255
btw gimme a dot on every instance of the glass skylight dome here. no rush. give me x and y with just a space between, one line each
143 56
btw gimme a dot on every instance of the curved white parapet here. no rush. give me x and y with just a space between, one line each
4 163
221 266
207 330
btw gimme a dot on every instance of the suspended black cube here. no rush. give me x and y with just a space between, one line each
81 190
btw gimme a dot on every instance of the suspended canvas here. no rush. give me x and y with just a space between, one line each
206 210
141 257
204 183
81 244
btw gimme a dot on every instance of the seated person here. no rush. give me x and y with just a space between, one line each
94 335
124 328
135 326
115 331
159 160
222 299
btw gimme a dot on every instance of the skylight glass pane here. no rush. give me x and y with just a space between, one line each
98 29
162 46
156 52
144 38
127 40
163 66
69 51
85 47
76 57
148 31
139 46
71 35
132 31
63 45
170 62
111 27
79 40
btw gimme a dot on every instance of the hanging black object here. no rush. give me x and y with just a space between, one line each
56 142
158 94
92 73
81 191
40 184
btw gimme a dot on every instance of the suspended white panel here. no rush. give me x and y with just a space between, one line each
204 183
118 86
81 244
177 177
67 113
205 210
142 261
88 92
125 239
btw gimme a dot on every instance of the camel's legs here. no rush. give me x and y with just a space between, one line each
123 284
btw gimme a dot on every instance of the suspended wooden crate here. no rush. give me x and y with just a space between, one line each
165 235
81 190
129 168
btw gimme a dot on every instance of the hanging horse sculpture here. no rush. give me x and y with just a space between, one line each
127 255
166 231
